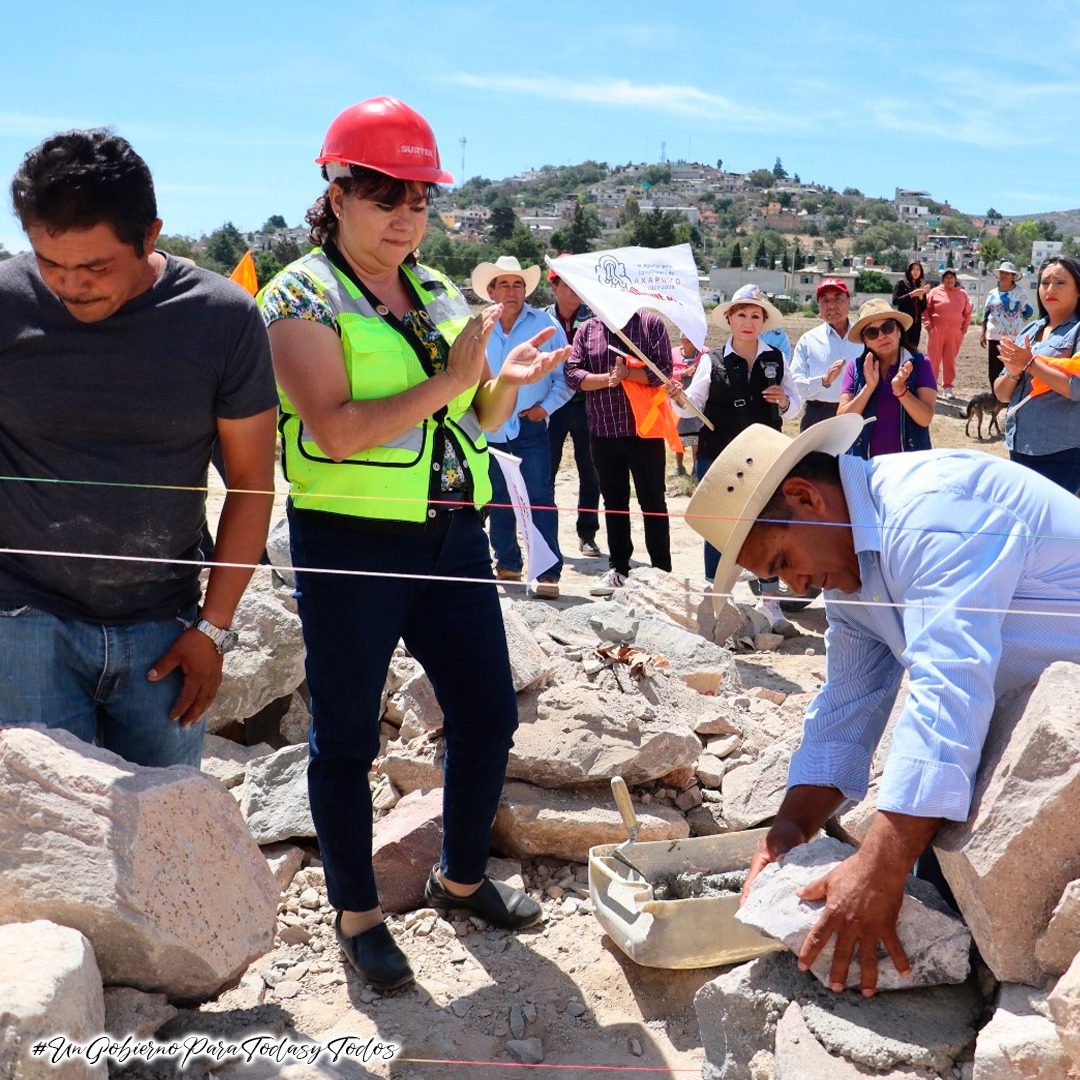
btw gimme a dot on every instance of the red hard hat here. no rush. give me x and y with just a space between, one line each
384 134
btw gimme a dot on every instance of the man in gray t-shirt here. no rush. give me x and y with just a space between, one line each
120 367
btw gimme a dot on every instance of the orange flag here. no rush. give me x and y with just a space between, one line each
653 414
1069 364
244 274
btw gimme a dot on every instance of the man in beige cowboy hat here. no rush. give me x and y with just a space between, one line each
921 556
524 435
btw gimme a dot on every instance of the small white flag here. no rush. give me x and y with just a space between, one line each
618 283
538 556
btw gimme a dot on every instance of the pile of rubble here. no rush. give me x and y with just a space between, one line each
166 885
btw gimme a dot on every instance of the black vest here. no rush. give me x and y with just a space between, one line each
735 400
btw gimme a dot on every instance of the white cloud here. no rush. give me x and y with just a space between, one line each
679 99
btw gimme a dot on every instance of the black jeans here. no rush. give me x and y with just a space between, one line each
994 367
454 629
570 420
616 460
816 411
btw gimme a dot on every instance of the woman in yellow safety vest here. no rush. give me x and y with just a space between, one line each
385 395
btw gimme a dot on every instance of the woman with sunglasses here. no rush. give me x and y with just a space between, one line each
888 383
385 396
1042 426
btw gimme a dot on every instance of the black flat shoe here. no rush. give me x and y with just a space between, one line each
376 956
500 904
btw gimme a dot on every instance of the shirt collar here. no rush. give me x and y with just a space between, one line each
829 329
866 524
762 346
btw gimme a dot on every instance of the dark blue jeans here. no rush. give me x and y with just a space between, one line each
531 445
351 626
571 420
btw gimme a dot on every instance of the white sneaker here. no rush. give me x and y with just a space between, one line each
611 581
778 621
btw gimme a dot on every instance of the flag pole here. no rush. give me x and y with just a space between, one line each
658 373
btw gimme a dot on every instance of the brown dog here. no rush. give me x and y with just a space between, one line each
983 405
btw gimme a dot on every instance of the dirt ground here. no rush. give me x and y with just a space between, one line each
564 982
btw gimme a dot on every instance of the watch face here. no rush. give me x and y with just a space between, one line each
229 640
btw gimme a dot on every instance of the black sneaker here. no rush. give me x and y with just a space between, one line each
495 901
588 547
375 956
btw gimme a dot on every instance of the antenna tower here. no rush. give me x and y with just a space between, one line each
663 153
463 141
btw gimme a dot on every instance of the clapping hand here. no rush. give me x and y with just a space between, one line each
834 372
1015 355
870 371
526 364
468 353
899 380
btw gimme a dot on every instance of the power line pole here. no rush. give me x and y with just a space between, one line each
463 141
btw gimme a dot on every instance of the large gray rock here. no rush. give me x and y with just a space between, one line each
268 662
277 550
579 735
226 760
129 855
702 665
1020 1042
1060 942
50 986
799 1056
533 821
652 591
275 800
417 706
753 792
1064 1006
1009 863
936 943
738 1012
405 846
413 765
529 665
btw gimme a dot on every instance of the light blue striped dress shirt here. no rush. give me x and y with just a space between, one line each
552 391
939 531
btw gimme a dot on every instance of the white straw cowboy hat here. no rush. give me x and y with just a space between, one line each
750 294
873 310
503 266
1009 268
745 477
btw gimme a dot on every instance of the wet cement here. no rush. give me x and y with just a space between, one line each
686 886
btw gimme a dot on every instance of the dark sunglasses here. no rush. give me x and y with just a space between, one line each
887 327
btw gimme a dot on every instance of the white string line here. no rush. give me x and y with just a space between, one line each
450 579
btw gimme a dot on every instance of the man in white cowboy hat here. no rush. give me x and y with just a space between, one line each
822 353
921 556
1007 309
524 435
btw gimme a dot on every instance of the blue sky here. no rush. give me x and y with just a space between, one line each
228 103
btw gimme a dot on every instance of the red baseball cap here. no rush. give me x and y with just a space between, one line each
551 275
833 283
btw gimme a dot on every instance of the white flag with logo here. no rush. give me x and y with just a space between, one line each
618 283
538 557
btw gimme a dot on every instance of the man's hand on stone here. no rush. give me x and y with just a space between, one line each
777 842
200 663
862 904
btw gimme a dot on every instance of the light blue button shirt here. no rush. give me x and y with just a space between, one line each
551 391
939 531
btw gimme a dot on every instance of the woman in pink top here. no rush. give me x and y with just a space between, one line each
947 317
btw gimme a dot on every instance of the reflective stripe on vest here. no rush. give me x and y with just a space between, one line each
393 481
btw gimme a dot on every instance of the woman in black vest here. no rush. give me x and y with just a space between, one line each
747 382
909 296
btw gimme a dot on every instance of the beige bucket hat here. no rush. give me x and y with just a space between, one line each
745 477
750 294
873 310
504 266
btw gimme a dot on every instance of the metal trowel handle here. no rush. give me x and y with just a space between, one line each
626 807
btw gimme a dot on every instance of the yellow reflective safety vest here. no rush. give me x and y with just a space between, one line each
394 481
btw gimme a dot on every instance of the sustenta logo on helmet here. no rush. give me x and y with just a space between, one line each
423 150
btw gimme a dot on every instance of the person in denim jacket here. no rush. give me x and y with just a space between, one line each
1042 426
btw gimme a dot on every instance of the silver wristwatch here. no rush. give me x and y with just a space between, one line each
224 640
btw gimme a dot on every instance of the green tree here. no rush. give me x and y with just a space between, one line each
4 253
778 170
524 246
760 178
785 263
949 264
872 281
991 249
576 237
880 237
761 254
224 248
957 225
273 223
736 254
655 229
992 214
181 246
503 221
630 210
797 258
